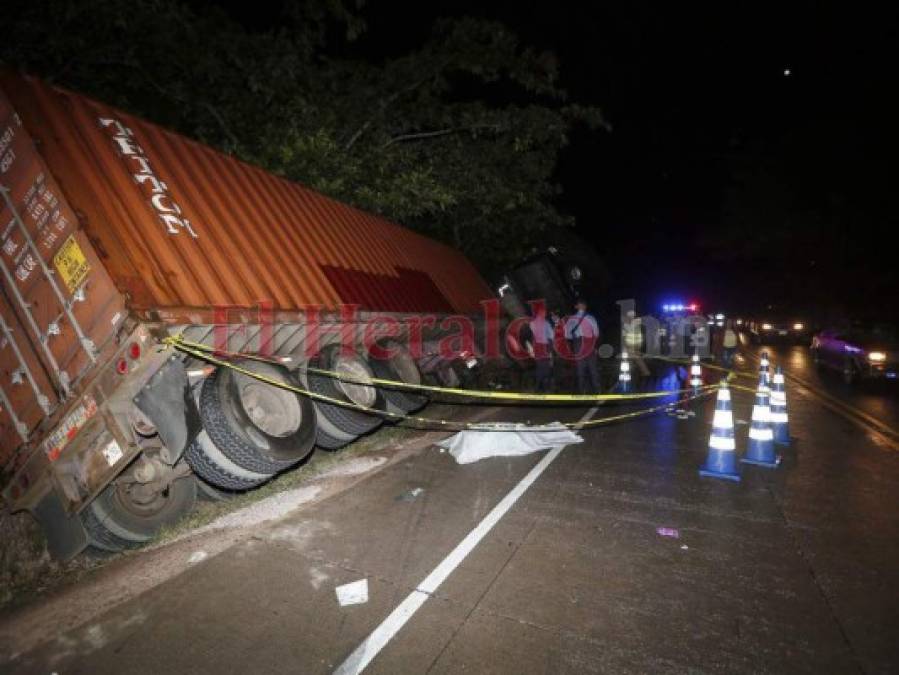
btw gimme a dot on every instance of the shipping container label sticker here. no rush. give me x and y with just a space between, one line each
71 264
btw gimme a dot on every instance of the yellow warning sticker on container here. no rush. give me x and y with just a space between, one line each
71 264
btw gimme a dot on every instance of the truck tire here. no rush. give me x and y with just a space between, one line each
346 420
329 443
213 467
257 426
400 367
206 492
328 436
115 522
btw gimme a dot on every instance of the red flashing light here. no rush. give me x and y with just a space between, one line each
121 367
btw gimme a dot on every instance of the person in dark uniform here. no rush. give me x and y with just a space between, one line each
582 330
542 332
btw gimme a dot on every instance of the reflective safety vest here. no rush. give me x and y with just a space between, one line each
632 334
730 338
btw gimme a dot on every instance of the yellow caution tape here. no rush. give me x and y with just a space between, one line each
452 391
204 355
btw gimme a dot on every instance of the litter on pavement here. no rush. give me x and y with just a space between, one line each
511 440
197 556
353 593
409 495
668 532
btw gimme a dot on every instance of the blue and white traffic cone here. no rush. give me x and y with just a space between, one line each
624 374
722 458
761 436
779 419
695 372
765 372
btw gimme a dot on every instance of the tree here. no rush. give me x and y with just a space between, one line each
458 139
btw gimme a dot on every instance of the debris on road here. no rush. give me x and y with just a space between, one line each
409 495
508 440
197 556
353 593
672 532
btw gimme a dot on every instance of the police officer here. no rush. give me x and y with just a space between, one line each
542 332
582 330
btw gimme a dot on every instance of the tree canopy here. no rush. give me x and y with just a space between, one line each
458 138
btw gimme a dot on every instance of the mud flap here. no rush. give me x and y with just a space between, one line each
66 536
168 403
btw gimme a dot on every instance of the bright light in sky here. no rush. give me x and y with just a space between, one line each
787 72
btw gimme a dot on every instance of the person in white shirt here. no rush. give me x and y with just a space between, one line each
582 330
542 331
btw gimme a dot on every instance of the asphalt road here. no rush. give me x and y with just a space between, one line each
790 570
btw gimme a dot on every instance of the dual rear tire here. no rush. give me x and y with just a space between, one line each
252 430
341 424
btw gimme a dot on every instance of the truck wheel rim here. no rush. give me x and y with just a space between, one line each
140 508
354 368
405 367
275 412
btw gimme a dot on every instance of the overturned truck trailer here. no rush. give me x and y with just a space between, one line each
117 234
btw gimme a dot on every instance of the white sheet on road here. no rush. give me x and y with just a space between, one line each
508 441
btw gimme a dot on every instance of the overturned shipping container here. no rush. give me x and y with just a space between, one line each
116 234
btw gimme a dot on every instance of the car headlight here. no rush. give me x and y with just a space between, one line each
877 357
798 326
767 326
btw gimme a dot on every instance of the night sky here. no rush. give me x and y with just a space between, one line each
713 145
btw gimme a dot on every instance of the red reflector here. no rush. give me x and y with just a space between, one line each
122 367
134 351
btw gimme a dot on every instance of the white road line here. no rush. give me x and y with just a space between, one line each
380 636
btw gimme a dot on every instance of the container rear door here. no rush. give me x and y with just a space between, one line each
59 304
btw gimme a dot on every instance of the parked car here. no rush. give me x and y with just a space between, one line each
859 352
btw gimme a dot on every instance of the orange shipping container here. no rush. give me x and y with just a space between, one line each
106 215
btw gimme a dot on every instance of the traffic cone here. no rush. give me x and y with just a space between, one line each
761 436
624 374
765 372
696 371
779 418
722 458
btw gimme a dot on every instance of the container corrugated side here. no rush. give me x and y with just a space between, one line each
181 225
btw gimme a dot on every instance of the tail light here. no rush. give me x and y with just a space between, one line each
121 367
134 351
